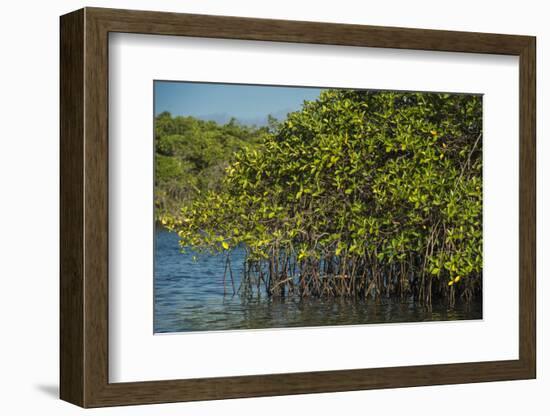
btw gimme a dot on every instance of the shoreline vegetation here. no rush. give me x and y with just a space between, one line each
191 156
360 194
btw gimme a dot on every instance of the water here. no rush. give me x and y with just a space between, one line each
189 296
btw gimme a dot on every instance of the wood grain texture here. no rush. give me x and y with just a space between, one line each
84 207
71 297
96 208
527 207
162 23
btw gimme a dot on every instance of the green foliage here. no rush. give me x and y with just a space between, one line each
191 156
359 193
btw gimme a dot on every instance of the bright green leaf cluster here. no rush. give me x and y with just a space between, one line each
359 192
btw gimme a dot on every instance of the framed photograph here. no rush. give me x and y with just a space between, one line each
254 207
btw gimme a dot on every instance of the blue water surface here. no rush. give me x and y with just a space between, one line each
190 295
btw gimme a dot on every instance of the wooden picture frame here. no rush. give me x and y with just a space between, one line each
84 207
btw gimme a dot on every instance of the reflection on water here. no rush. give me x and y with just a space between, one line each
189 296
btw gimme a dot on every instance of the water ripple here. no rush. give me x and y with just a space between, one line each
189 296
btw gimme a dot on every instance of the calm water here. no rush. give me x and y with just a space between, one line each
189 296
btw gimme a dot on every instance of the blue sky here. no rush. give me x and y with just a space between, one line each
250 104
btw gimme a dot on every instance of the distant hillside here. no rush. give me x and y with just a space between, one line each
191 155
